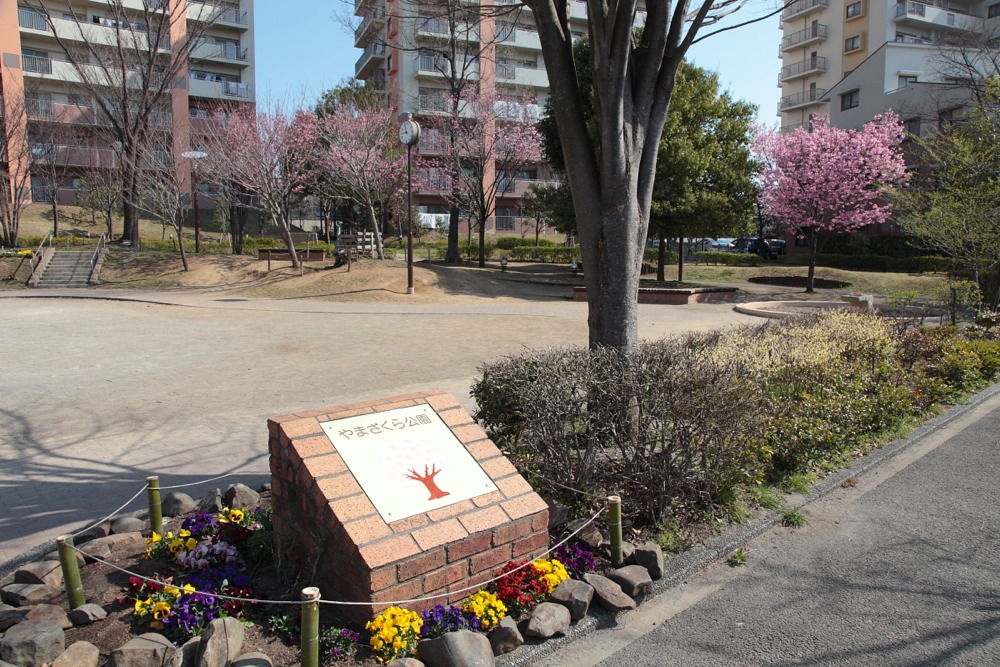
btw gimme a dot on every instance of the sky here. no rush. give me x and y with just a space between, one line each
301 50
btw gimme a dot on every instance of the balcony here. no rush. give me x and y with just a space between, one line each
436 28
218 15
510 74
803 8
32 20
927 16
814 65
378 81
810 35
374 54
374 18
36 64
219 89
226 53
76 156
803 99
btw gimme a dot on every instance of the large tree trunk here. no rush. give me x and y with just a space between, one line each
376 230
612 259
286 236
813 255
661 258
482 244
454 255
680 259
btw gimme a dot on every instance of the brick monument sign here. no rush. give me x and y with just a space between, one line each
398 499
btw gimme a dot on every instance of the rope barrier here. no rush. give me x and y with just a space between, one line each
569 488
212 479
110 516
345 602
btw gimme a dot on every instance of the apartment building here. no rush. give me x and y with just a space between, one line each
62 122
497 51
853 59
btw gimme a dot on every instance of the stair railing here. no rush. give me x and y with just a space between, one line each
101 244
36 257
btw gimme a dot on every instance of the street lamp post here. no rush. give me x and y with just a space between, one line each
194 156
409 135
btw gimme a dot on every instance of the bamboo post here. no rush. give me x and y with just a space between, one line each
71 571
310 627
155 511
615 528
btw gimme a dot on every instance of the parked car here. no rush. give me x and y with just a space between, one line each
766 248
722 245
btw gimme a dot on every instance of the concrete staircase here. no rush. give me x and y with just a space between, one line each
67 268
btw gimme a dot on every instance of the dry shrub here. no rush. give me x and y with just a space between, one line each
666 427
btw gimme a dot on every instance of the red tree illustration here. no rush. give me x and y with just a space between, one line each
428 480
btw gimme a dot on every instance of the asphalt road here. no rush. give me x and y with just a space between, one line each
96 395
902 569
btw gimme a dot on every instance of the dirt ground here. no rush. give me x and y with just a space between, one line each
366 281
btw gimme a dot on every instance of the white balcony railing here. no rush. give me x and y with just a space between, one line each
36 64
802 37
29 18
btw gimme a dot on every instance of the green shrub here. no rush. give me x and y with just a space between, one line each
652 256
727 258
880 263
547 254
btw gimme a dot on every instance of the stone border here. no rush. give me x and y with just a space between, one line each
671 295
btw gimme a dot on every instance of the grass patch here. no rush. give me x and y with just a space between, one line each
674 538
797 483
763 496
793 518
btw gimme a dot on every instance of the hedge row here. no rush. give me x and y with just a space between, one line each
685 422
880 263
727 258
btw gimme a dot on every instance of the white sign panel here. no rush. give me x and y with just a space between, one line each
407 460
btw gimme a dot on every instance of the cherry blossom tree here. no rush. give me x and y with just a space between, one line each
267 153
491 140
362 157
830 180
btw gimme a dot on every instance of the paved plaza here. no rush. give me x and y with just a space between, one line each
100 393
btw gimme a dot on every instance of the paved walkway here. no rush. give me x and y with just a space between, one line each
110 386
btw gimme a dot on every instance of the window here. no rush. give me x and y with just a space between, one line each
78 100
906 80
912 126
947 117
853 10
505 218
850 100
506 32
41 189
993 11
852 43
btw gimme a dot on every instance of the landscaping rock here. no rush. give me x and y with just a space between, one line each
92 533
650 556
187 655
102 547
10 616
210 504
87 614
41 572
128 524
33 643
178 504
628 552
463 648
255 659
406 662
557 514
548 620
142 651
80 654
221 642
634 580
505 637
241 496
609 594
575 596
54 555
25 595
589 535
50 612
4 663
